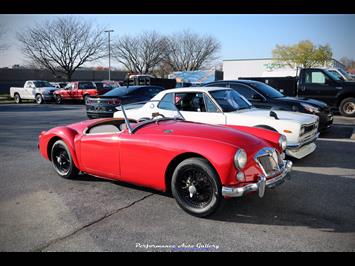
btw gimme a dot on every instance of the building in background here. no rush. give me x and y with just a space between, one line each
195 78
235 68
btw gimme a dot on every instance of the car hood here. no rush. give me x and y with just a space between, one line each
302 100
282 115
218 133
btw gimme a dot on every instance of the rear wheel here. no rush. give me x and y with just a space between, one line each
17 98
196 187
347 107
62 161
39 99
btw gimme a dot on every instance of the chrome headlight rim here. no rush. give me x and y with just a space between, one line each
240 159
283 142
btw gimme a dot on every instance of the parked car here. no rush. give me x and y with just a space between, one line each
199 163
319 84
341 74
262 95
105 105
224 106
79 91
106 84
37 90
59 85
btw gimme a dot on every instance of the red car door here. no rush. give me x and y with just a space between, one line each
75 91
99 154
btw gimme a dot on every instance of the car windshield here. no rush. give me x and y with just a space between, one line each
156 112
41 84
346 74
230 100
267 90
332 75
120 91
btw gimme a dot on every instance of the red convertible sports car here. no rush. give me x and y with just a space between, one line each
200 164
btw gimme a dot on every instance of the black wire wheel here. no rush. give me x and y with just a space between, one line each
62 161
196 187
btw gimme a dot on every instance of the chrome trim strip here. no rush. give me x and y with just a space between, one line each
261 185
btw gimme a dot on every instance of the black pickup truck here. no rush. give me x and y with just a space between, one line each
316 83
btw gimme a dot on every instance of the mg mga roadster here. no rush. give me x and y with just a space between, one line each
200 164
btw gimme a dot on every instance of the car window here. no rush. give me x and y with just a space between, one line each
86 85
29 84
69 86
210 105
243 90
166 102
190 101
41 84
315 77
230 100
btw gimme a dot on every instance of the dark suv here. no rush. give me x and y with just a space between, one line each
264 96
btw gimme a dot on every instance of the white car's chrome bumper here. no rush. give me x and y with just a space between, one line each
301 150
260 185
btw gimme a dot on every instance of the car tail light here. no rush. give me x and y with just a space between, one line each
114 101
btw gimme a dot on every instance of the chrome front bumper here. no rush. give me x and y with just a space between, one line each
261 185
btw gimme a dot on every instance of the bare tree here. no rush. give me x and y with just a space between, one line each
190 51
142 53
63 44
3 44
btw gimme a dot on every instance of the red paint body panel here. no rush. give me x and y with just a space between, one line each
142 158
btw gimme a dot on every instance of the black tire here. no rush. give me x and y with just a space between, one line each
347 107
62 161
86 98
58 99
38 99
17 98
197 176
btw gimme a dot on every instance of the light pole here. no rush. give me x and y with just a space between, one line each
109 54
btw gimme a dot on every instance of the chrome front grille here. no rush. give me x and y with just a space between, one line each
269 161
309 128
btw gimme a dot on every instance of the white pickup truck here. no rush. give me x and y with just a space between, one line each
38 90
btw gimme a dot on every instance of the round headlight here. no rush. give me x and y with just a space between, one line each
302 131
283 142
240 159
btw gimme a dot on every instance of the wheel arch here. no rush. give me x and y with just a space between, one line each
266 127
176 161
343 96
70 144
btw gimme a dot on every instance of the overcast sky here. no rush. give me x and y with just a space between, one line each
241 36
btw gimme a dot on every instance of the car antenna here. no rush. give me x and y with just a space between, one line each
274 115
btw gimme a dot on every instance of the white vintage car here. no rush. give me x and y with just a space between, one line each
215 105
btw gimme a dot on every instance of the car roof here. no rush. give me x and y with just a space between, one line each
196 89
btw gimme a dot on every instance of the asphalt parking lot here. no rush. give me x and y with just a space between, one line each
39 211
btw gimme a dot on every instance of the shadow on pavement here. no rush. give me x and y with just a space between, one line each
311 200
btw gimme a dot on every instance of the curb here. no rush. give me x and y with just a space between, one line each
353 135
